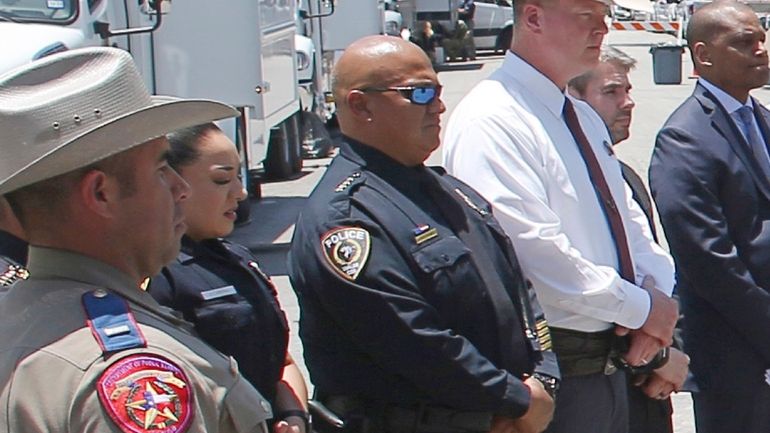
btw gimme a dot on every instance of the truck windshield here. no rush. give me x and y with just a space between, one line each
38 10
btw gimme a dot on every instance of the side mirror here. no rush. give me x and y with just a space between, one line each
149 7
303 14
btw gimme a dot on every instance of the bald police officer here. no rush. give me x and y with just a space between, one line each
82 348
415 314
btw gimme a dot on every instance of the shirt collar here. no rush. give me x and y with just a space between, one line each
191 249
727 101
384 166
540 86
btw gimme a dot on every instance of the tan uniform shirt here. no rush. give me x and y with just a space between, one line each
51 364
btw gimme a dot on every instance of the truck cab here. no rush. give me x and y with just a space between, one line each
34 29
240 52
493 24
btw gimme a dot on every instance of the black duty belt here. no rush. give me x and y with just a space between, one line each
367 416
584 353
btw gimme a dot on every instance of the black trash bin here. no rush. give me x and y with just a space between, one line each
667 64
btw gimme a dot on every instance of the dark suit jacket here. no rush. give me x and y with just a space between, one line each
713 198
639 194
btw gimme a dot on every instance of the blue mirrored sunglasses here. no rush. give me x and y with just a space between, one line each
419 95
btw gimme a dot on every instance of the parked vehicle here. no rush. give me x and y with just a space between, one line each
190 50
494 24
493 19
328 28
620 13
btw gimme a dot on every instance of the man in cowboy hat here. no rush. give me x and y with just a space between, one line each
82 347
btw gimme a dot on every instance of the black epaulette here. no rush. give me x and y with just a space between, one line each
12 274
348 182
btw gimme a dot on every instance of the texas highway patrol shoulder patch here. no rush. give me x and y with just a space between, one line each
346 249
146 393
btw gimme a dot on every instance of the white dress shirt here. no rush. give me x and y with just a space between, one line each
508 139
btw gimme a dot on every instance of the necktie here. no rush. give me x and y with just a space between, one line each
602 191
756 142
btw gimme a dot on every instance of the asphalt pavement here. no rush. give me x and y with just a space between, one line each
272 218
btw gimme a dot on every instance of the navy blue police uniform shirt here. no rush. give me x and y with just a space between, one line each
219 287
13 259
392 308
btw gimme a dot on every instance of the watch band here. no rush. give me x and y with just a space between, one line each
550 384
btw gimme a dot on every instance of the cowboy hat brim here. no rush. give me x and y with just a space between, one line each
118 135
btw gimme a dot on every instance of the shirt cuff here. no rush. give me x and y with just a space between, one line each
636 306
517 398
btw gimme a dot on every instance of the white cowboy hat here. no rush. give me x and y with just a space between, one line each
71 109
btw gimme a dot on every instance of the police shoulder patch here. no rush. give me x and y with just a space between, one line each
347 250
146 394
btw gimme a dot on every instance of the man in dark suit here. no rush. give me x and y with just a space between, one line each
710 177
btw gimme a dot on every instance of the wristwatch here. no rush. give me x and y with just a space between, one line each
550 384
661 358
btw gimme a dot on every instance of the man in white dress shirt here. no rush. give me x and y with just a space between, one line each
594 264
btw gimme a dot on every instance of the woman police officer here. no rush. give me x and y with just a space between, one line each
218 286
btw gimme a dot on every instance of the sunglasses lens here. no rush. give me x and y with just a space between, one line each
423 95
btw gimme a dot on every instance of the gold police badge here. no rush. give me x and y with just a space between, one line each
346 249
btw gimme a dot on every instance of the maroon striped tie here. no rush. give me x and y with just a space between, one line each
602 191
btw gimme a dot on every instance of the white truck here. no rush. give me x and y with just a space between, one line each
493 19
244 52
324 29
239 51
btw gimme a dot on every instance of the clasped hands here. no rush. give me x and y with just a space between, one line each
656 333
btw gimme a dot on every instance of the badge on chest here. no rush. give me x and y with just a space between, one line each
219 292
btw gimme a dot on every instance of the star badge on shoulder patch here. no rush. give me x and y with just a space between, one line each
347 250
146 394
